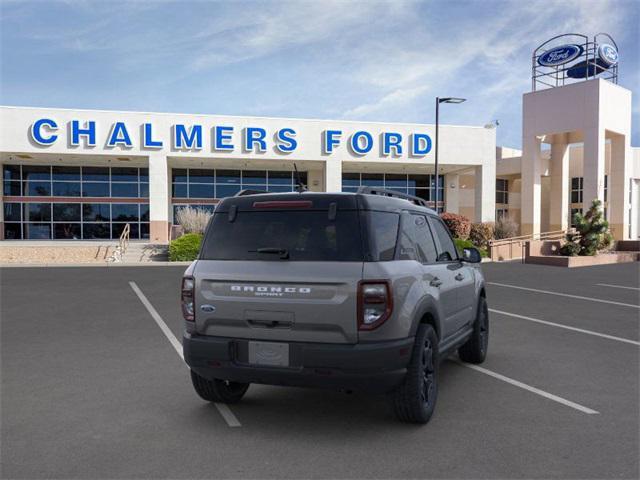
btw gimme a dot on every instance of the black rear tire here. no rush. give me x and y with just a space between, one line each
220 391
414 401
475 349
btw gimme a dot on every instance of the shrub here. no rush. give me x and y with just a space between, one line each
185 248
193 220
591 235
505 228
462 244
458 225
481 233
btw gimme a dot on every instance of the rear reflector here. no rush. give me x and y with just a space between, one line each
284 204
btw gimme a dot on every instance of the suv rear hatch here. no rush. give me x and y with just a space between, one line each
281 267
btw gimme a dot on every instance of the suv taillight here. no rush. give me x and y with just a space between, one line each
186 298
375 303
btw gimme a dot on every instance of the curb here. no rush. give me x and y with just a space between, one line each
94 265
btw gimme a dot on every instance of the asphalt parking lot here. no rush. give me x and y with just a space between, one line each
92 387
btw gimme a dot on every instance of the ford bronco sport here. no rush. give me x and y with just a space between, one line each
353 291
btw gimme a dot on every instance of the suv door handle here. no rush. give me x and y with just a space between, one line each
435 282
459 277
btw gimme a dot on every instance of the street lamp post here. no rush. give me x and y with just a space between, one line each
438 102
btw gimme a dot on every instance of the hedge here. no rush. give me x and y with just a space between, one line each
458 225
185 248
462 244
481 233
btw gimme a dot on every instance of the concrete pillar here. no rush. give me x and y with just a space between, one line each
485 192
315 180
559 194
452 192
333 175
593 167
159 198
618 188
531 186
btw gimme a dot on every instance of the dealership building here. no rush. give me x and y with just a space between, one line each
85 174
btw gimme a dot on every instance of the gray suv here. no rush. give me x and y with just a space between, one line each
353 291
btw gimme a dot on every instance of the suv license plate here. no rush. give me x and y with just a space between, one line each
269 353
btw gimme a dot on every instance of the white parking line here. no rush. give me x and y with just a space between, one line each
566 327
531 389
590 299
224 409
616 286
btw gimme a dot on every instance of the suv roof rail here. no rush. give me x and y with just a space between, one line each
248 191
393 193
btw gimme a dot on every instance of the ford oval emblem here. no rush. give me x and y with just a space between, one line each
608 54
208 308
560 55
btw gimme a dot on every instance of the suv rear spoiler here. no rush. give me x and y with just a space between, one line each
392 193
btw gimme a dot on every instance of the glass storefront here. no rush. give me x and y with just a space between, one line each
422 186
63 213
197 184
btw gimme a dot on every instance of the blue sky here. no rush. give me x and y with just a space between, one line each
368 60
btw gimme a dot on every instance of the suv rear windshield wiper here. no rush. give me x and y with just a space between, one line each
283 252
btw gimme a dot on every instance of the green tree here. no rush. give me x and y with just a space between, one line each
591 235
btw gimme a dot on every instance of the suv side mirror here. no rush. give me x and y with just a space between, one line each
471 255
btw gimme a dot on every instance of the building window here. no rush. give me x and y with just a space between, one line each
64 213
502 213
573 212
63 181
606 187
422 186
199 185
502 190
209 184
74 221
576 190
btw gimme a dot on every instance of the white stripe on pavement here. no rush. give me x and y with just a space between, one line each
529 388
616 286
565 295
224 409
581 330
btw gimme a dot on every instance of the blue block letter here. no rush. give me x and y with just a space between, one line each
355 142
255 135
89 131
286 140
36 131
392 140
184 139
147 138
119 136
330 140
221 137
421 144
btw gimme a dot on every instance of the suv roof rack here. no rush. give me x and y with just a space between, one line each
393 193
248 191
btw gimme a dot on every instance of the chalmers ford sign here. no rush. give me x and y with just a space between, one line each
222 138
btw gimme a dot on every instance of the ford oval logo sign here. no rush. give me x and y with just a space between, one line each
560 55
608 54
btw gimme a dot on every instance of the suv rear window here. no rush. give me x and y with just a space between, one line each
305 236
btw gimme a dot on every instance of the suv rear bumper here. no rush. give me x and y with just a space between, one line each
371 367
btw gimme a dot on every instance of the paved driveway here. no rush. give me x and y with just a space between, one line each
92 387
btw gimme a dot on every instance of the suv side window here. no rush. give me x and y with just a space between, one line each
384 233
416 241
447 251
424 240
407 239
